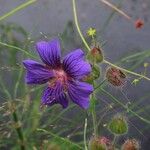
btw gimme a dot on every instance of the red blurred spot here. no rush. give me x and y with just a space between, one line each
139 23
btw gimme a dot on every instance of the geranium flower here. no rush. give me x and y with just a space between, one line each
63 77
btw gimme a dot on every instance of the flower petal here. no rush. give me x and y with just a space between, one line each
75 66
54 95
49 52
79 93
36 72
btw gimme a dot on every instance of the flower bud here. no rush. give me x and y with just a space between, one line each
115 76
95 55
131 144
98 143
118 125
95 74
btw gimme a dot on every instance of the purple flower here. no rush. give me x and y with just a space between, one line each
63 78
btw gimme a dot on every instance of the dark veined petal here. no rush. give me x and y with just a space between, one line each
79 93
36 72
49 52
55 95
75 66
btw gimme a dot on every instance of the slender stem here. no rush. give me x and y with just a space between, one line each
85 127
116 9
17 48
94 115
18 130
17 9
77 25
94 110
64 140
100 85
88 48
114 139
15 118
128 109
17 83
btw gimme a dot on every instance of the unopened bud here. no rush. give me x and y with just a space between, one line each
115 76
131 144
98 143
95 74
95 55
118 125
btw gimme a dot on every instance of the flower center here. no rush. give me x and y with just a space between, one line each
61 76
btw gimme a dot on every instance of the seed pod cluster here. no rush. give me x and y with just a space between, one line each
115 76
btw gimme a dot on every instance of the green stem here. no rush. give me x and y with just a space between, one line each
94 115
18 130
85 127
77 25
128 109
64 140
17 83
98 86
114 139
17 9
17 48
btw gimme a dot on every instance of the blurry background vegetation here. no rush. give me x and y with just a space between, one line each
46 19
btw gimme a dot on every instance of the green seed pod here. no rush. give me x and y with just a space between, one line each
95 55
131 144
97 144
95 74
118 125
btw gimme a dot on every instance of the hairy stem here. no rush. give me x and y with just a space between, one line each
18 130
94 115
77 25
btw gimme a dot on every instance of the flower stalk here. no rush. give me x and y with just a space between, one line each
18 130
85 128
94 115
17 125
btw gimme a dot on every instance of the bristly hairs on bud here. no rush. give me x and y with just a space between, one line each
131 144
115 76
95 55
99 143
118 125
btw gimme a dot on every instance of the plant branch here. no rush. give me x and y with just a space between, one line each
17 9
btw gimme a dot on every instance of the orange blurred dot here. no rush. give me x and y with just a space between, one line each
139 24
